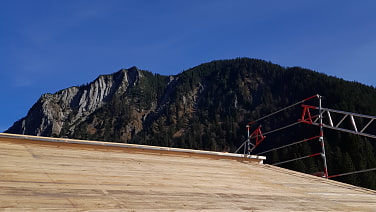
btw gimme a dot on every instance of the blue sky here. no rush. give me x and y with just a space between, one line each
49 45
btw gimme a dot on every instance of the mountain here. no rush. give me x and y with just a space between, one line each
207 107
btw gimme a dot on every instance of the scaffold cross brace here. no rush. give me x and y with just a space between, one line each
257 135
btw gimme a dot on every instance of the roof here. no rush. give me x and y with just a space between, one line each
45 174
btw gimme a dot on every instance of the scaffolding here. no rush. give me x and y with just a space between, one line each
324 118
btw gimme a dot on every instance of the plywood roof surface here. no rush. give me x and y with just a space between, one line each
46 176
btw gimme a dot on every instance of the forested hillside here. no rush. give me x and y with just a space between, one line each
207 107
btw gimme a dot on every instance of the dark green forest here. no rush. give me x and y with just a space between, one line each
230 93
235 92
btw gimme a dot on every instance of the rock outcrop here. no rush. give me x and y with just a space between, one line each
73 105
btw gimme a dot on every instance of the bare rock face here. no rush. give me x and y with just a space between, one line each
69 106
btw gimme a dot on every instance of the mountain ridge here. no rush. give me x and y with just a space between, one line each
205 107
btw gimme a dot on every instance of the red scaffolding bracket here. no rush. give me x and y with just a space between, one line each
306 114
258 136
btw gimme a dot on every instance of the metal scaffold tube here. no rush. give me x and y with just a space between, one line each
354 172
295 159
321 139
294 143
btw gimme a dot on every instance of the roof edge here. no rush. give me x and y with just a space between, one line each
252 158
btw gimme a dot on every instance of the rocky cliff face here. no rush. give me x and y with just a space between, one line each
73 105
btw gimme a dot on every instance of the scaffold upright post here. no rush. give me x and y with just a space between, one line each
247 143
321 138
